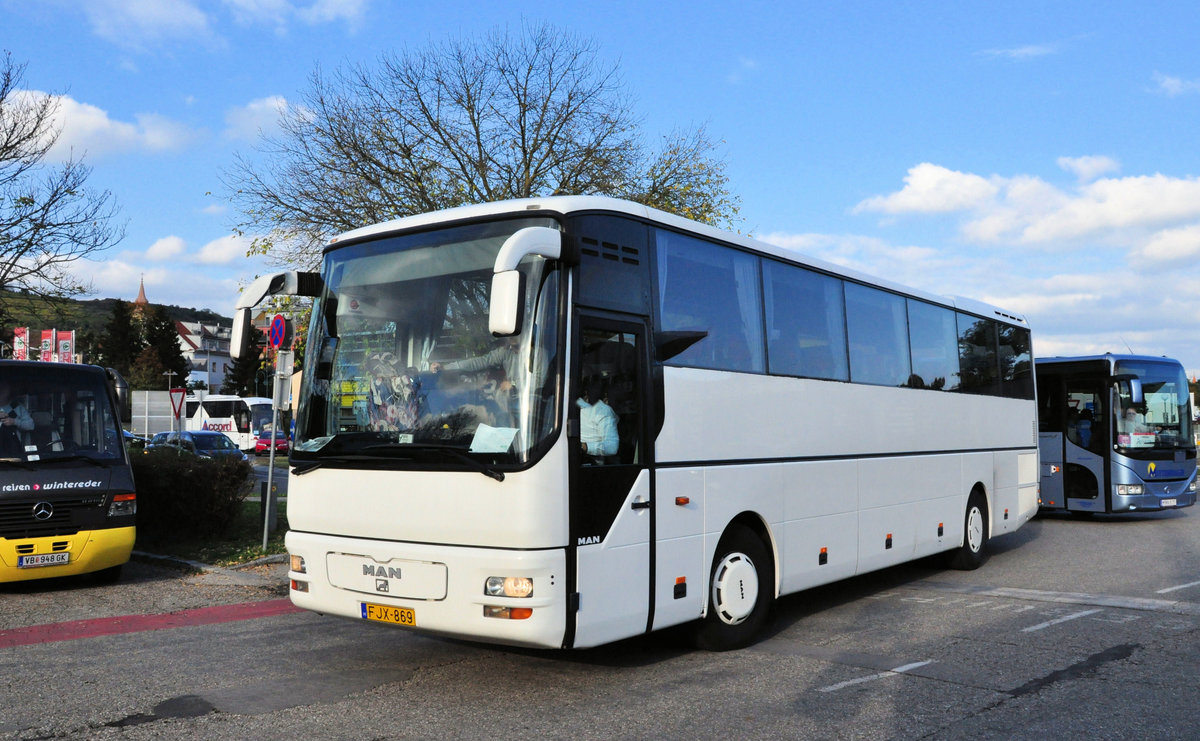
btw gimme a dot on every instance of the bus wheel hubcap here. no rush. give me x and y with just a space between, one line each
735 588
975 529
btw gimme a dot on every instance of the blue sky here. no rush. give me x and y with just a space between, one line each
1040 156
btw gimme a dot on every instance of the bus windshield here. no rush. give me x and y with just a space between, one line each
401 365
49 412
1161 419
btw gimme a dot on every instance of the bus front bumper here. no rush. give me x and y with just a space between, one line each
85 552
433 589
1157 496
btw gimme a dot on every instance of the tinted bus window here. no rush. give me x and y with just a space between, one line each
977 354
933 334
1016 362
806 324
878 330
713 290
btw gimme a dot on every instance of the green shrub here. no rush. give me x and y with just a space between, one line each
186 496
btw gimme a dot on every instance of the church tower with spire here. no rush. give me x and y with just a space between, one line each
141 302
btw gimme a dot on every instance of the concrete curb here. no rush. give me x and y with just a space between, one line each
231 575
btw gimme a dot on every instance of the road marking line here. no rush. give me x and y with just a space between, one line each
96 627
1063 619
1181 586
873 677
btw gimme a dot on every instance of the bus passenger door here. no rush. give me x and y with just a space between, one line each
1086 445
610 498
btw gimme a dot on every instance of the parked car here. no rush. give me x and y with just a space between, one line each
134 442
262 446
206 444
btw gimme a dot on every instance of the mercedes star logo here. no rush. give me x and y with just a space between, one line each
43 511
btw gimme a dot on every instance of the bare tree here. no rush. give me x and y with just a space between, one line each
48 218
464 121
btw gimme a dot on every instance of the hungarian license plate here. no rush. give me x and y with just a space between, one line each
42 559
389 614
1168 502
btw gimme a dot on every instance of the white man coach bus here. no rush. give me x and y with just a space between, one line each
782 423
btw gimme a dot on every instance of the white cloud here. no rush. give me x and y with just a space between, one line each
1027 210
136 23
1174 86
1108 206
930 188
87 129
167 248
224 250
1089 168
251 12
258 116
1171 245
745 67
1022 53
328 11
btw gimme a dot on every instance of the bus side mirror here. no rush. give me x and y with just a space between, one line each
287 283
1131 386
507 302
120 388
507 308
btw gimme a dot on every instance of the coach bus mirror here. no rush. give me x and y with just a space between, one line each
286 283
507 302
505 313
669 344
1131 386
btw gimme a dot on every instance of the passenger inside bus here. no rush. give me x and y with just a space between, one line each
15 423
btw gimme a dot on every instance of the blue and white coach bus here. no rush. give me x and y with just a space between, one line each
1115 433
780 423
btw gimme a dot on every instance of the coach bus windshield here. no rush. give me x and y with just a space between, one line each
401 369
1160 420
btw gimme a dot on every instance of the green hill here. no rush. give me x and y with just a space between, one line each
86 317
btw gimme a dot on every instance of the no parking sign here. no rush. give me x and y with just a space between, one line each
280 333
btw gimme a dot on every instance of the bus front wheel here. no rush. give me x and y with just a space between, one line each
741 590
973 551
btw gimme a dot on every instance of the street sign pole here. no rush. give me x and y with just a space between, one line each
280 336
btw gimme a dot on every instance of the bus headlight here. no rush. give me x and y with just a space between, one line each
298 564
1130 490
508 586
123 505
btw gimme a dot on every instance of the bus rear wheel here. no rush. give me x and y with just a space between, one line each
973 551
741 591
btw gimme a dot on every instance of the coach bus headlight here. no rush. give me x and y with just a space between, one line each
123 505
1130 490
508 586
298 564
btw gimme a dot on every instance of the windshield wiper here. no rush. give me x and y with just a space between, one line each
299 469
18 463
457 455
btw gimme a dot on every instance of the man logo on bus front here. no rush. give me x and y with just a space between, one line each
381 585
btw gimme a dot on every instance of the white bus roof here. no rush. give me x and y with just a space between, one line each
572 204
